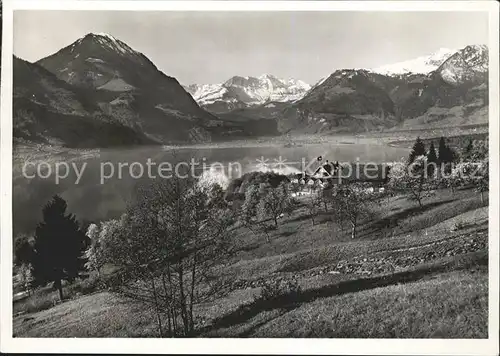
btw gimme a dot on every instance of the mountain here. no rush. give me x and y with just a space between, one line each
422 65
454 93
347 101
98 91
470 64
241 92
49 110
127 85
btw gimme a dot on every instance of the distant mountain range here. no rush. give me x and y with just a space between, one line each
453 94
99 80
98 91
240 92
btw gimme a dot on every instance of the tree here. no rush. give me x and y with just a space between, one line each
172 237
432 160
95 253
410 180
59 246
23 250
480 150
417 150
353 202
249 207
442 151
468 150
313 204
216 197
482 177
474 170
274 204
446 156
25 276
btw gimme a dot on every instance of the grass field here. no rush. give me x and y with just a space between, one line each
429 279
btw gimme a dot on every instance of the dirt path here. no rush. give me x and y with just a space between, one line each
385 261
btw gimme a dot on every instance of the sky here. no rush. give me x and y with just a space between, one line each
211 47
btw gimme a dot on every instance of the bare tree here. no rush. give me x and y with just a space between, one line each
353 202
175 233
412 180
313 204
275 203
263 204
473 170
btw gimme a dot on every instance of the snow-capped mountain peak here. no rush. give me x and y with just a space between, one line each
421 65
250 90
468 64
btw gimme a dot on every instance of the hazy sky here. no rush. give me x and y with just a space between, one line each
211 47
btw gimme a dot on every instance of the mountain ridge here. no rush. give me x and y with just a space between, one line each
239 92
127 84
100 81
351 100
49 110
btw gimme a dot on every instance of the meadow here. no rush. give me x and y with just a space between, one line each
429 279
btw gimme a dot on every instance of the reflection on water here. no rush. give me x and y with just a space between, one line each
91 200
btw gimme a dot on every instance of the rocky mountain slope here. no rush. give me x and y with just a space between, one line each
98 91
49 110
127 85
241 92
454 93
348 100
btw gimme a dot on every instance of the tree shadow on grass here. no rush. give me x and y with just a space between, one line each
294 300
301 217
392 221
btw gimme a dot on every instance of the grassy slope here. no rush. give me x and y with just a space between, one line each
450 305
301 249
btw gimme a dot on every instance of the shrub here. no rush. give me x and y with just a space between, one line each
274 290
86 286
459 225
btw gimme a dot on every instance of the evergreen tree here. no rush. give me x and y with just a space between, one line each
446 155
443 153
417 150
59 246
431 160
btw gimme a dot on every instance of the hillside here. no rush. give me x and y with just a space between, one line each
100 80
455 93
348 100
419 268
128 85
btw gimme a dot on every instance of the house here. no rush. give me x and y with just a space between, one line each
375 174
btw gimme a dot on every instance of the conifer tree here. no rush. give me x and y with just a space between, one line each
417 150
59 246
443 153
432 160
446 155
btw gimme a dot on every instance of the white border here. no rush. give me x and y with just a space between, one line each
254 346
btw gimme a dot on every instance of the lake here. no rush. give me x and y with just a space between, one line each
110 177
